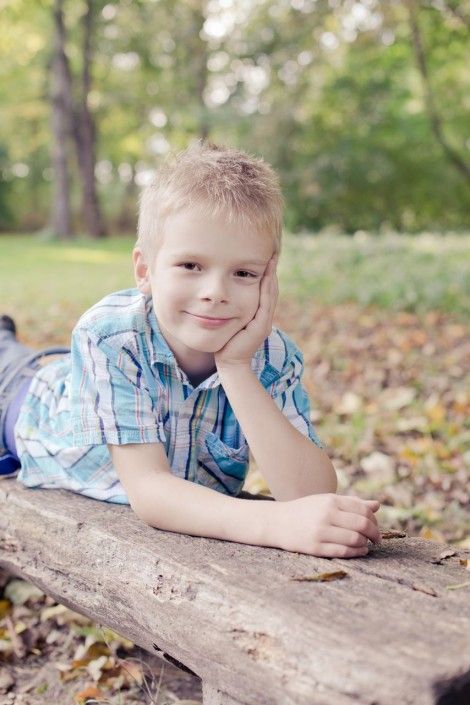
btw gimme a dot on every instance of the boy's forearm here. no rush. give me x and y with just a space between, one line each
292 465
174 504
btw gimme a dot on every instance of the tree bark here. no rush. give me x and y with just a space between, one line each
61 220
84 132
199 63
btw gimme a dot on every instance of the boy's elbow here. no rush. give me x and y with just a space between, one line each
329 480
142 509
333 479
136 508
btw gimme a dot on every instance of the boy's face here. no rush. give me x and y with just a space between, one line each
204 267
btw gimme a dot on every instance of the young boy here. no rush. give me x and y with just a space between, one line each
168 385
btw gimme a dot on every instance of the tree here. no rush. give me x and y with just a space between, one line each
84 130
61 219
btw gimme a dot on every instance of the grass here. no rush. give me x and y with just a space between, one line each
401 273
47 285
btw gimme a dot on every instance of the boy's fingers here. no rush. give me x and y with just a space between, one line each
357 505
348 520
345 537
335 550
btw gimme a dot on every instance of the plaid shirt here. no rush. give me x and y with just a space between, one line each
121 384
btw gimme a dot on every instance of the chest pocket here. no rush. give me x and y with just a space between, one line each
222 467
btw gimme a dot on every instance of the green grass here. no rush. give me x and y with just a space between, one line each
49 284
401 273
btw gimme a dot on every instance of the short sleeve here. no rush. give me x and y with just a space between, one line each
291 397
110 402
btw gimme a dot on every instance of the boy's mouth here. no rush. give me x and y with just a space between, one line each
210 320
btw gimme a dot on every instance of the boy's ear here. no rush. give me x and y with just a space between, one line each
141 271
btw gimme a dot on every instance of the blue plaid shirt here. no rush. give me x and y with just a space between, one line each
121 384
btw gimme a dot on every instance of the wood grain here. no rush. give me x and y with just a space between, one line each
387 633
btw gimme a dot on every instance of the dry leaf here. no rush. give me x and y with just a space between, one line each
5 608
87 694
465 563
349 404
425 589
322 577
444 554
397 397
125 674
380 466
432 535
393 534
93 652
63 615
458 586
20 591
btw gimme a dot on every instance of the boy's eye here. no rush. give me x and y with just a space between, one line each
188 265
245 275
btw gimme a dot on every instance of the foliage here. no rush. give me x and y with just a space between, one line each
330 93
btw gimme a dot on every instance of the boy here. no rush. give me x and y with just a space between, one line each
169 384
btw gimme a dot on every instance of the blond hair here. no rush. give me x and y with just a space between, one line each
217 180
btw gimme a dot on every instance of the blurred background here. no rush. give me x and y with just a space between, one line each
362 107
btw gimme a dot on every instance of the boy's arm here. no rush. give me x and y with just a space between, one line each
171 503
320 525
291 463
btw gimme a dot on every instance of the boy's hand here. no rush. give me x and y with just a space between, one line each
327 525
240 349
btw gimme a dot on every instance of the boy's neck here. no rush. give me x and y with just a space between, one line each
197 365
197 373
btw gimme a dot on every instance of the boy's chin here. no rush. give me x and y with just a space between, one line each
208 346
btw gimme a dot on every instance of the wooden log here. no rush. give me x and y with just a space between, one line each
214 696
390 632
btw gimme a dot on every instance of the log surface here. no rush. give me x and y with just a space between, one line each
387 633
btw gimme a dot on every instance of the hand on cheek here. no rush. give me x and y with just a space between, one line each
240 349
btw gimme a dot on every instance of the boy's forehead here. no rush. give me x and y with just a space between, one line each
194 233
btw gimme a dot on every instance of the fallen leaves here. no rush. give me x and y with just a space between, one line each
19 592
447 553
321 577
92 662
432 535
380 465
458 586
426 589
393 534
88 693
389 399
395 398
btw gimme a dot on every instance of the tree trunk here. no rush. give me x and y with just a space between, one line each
199 63
61 222
85 136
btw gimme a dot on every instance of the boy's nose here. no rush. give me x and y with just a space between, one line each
214 289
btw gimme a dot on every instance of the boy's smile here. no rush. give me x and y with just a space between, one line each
205 284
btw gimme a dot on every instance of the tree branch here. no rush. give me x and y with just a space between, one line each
434 117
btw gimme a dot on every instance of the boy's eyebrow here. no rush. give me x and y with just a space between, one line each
192 255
